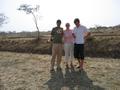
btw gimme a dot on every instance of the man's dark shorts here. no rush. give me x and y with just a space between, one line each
79 51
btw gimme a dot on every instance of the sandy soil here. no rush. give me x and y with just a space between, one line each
31 72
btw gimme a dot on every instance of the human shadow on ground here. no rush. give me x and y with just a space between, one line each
71 80
56 81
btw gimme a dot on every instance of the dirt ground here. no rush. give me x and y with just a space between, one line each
20 71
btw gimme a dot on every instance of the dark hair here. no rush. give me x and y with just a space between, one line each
58 21
76 20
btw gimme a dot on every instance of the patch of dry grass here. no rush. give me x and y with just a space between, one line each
31 72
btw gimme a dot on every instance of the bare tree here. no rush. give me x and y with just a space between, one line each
31 10
2 19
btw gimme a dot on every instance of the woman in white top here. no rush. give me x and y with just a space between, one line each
68 45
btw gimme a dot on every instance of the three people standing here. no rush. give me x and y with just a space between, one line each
73 43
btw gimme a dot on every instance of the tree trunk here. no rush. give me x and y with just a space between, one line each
36 24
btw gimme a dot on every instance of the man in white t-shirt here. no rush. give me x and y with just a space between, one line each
80 33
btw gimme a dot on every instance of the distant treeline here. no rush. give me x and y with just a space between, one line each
96 29
104 28
21 34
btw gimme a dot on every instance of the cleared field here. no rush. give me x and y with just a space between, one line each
31 72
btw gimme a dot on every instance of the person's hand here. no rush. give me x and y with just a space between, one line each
73 35
48 41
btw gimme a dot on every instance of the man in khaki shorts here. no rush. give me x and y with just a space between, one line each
56 38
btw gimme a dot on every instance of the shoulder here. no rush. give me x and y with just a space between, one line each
54 28
61 28
83 26
71 31
74 28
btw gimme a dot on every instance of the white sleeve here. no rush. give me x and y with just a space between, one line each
86 30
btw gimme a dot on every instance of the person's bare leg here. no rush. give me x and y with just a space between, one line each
53 57
71 64
59 56
81 64
58 62
71 55
66 63
53 62
66 50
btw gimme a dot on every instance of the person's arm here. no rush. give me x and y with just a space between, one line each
49 40
62 32
63 37
73 34
51 35
87 33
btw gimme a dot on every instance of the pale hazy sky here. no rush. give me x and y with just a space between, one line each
90 13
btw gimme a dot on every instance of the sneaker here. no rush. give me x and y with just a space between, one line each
52 70
67 66
71 65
